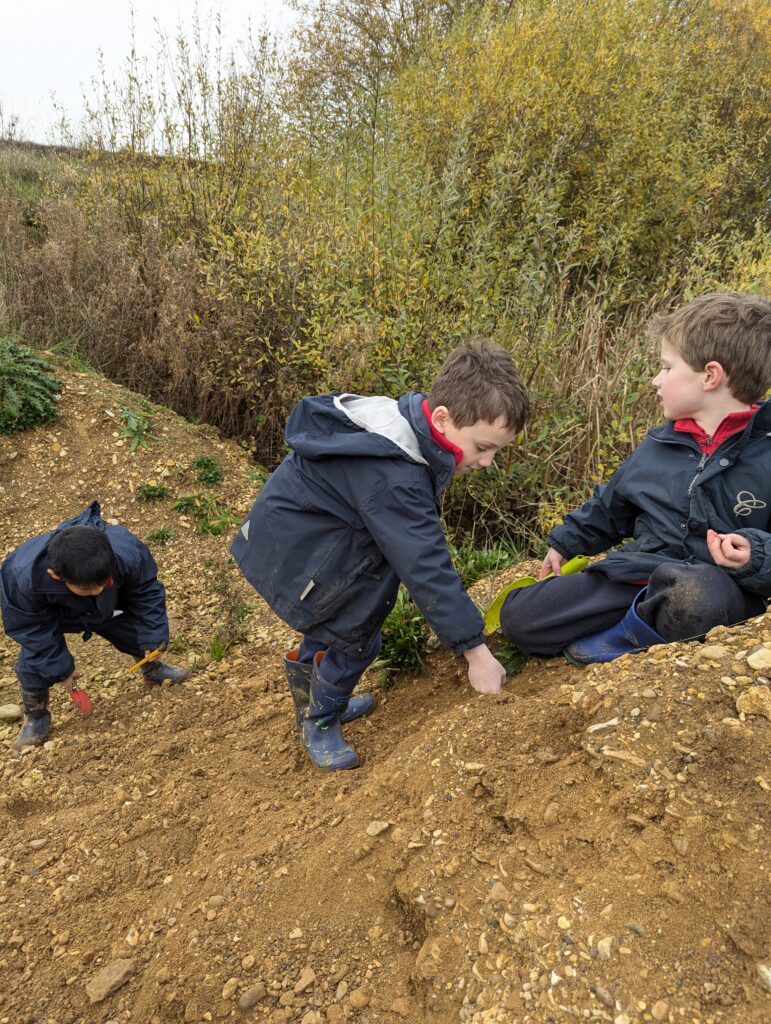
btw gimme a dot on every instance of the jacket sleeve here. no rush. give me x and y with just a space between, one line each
143 597
755 576
404 523
31 624
605 520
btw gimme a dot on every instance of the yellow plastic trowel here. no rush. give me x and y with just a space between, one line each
493 614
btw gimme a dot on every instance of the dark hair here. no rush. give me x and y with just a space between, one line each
81 555
480 382
725 327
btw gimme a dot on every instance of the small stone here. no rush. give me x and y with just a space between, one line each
714 652
376 827
358 999
335 1014
755 700
660 1010
402 1007
109 980
312 1017
765 975
498 893
760 659
229 988
252 996
296 933
564 923
604 948
216 902
10 713
306 979
248 962
605 997
552 813
37 844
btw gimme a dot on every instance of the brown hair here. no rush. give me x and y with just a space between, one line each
479 382
725 327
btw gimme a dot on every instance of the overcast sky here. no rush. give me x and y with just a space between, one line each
52 46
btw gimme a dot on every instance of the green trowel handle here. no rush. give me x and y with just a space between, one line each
493 614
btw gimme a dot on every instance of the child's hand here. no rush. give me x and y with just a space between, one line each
70 681
485 673
730 550
552 564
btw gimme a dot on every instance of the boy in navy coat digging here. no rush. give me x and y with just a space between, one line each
354 509
83 577
695 497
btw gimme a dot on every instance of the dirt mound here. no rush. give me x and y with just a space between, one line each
589 845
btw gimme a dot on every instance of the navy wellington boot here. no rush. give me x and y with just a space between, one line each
36 727
322 735
299 675
628 636
159 672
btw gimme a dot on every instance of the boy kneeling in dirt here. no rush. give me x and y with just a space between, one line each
695 496
87 577
353 510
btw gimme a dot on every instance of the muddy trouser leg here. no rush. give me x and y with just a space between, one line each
684 601
545 618
309 648
121 631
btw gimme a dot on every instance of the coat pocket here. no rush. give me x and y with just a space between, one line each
327 589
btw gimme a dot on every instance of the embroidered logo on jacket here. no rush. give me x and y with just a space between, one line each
747 503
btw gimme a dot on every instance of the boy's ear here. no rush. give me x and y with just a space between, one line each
439 418
53 575
714 375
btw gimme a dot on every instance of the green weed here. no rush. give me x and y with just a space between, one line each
213 518
404 641
209 471
136 428
29 392
152 492
218 647
161 536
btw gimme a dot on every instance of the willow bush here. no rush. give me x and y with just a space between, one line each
240 233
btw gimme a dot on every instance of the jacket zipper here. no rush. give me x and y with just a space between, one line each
699 468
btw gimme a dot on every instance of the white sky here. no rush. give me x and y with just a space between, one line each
52 46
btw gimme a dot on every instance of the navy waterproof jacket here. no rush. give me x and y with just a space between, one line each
352 510
38 610
666 496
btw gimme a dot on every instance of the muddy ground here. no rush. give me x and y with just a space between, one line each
589 845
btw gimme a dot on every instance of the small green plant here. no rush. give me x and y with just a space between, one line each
258 475
136 428
209 471
28 390
67 351
213 518
404 641
473 564
152 492
161 536
218 647
512 659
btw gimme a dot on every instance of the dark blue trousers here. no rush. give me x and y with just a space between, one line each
340 671
121 632
682 601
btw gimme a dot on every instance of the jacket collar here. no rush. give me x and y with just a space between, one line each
440 462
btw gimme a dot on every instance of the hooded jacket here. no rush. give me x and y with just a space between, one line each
38 610
351 511
666 496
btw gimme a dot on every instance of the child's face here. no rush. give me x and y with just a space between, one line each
478 441
681 388
81 591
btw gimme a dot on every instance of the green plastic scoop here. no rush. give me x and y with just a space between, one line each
493 614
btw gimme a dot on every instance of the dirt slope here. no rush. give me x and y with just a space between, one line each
590 845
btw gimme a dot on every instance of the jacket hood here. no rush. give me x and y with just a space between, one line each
41 582
341 424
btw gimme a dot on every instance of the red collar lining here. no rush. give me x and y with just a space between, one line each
441 440
733 423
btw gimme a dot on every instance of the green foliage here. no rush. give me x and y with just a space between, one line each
404 640
213 518
209 471
512 659
28 390
136 428
161 536
474 563
152 492
218 647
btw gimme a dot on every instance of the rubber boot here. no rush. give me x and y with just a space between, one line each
628 636
299 676
36 727
158 672
322 734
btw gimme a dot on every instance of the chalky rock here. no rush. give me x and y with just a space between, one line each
10 713
109 980
755 700
760 659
